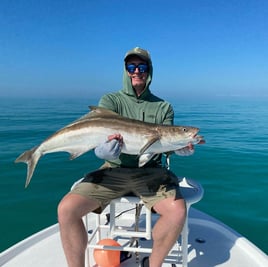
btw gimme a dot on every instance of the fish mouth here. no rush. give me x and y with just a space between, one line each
195 134
200 139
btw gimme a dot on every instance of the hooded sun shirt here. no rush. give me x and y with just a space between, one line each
146 107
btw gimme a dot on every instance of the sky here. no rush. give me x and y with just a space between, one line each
72 48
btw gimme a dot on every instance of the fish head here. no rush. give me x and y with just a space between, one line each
187 131
184 135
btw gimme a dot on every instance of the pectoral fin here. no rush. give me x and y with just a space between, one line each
151 141
144 158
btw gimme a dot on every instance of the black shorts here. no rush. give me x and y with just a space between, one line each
150 184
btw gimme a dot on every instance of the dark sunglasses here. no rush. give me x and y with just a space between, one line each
141 67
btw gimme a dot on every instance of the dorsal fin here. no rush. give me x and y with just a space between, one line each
95 112
101 111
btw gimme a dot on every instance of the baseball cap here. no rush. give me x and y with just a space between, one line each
141 53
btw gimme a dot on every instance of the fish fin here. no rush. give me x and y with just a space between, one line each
144 158
76 155
30 157
151 141
95 112
101 111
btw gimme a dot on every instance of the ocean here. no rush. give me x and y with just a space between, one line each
232 166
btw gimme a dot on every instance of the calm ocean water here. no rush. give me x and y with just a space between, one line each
232 166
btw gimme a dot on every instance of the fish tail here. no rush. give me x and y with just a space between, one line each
31 158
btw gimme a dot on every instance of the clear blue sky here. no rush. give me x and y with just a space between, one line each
199 48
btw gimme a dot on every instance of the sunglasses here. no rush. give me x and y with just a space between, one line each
141 67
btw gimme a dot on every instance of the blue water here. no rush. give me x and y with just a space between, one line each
232 166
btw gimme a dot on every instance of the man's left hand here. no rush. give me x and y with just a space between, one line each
185 151
111 149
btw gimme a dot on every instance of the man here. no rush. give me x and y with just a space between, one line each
157 187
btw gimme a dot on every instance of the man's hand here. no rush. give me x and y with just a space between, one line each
111 149
185 151
188 150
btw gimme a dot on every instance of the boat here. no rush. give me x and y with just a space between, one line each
121 236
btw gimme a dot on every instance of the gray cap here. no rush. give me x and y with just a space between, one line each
139 52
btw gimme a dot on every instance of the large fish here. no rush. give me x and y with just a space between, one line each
139 138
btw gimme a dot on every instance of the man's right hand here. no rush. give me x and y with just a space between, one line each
111 149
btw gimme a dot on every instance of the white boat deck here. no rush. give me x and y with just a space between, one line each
211 243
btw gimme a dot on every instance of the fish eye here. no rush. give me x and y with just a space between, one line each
184 129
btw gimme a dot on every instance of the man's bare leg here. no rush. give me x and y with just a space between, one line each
72 230
167 229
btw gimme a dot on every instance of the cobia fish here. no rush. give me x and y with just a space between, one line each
139 138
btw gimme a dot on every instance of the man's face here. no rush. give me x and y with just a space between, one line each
138 79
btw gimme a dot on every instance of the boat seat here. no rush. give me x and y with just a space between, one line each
191 191
116 231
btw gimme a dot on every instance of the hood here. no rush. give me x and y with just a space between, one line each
127 86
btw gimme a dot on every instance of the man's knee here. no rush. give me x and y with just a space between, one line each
177 212
73 207
173 210
64 210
